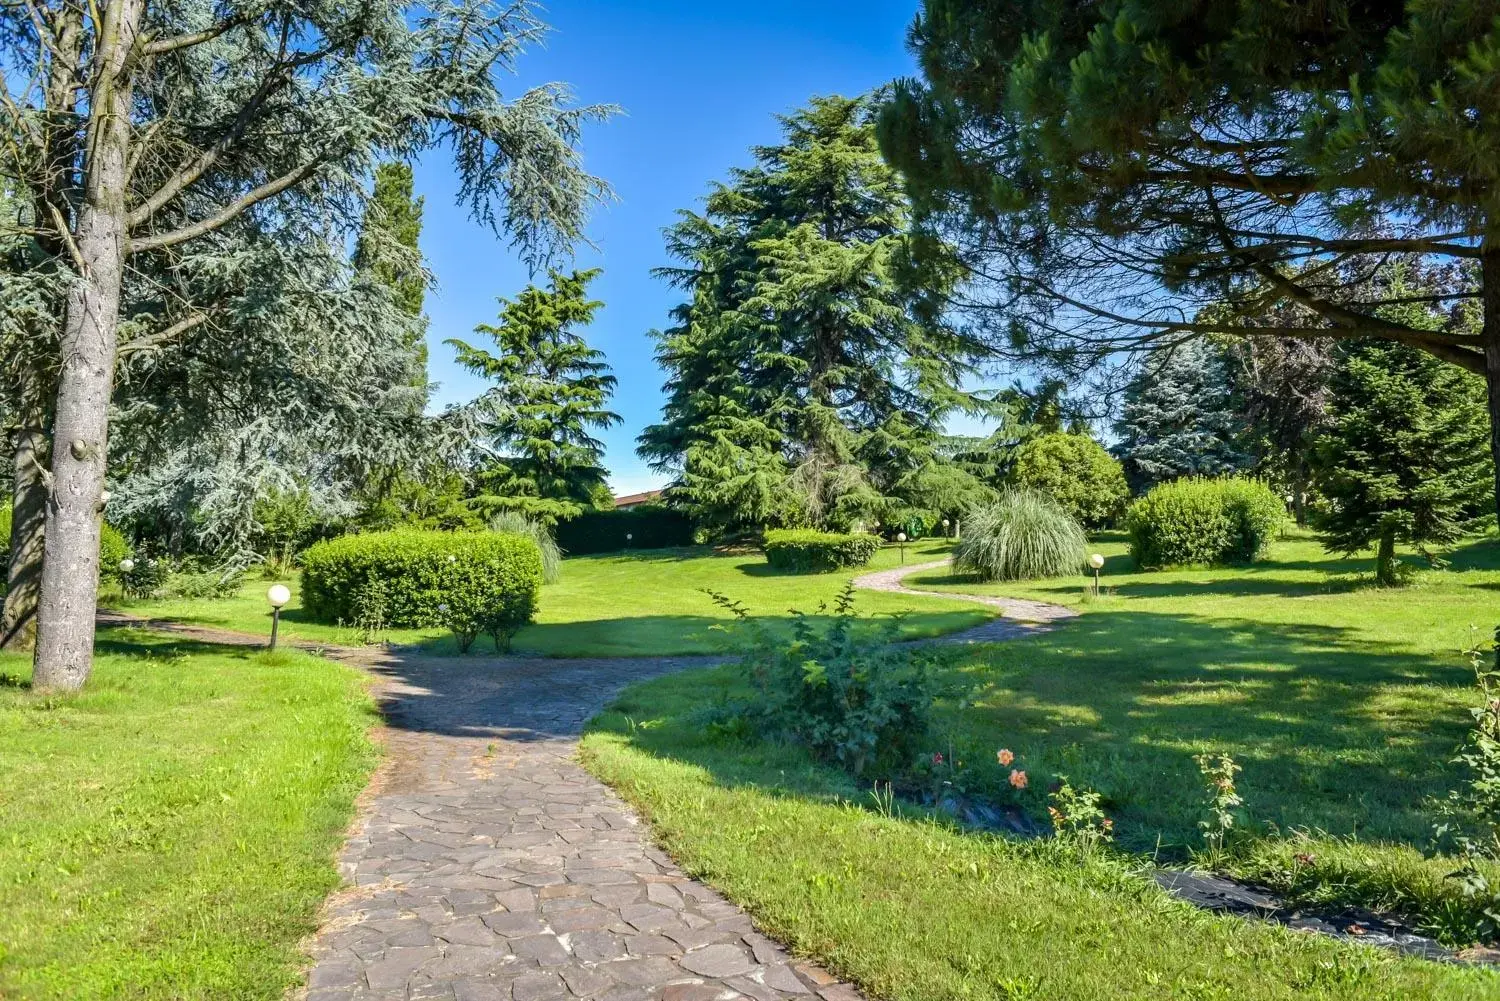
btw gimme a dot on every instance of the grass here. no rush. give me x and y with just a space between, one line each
648 602
1343 703
170 832
916 911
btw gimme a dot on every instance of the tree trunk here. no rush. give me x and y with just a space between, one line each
1489 264
23 577
70 570
1299 488
1385 558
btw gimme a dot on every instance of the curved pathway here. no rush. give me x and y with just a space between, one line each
1018 616
486 865
489 865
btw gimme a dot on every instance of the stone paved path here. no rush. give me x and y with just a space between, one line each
1018 616
488 865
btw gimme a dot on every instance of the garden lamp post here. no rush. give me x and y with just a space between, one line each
278 595
901 541
628 537
945 527
1097 562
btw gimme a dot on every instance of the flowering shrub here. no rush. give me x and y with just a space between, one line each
1077 816
859 704
1472 812
1223 800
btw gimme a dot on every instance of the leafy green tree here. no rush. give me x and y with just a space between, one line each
1113 169
1077 472
200 117
1402 458
810 369
549 396
1178 418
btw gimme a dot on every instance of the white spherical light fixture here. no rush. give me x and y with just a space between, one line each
1096 561
278 595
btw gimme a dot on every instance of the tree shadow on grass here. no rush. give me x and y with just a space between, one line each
1334 734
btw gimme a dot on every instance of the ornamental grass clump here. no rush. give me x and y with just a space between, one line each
1024 535
517 523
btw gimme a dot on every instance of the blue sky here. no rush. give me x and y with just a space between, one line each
699 84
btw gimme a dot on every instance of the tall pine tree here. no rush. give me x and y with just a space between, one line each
810 372
1177 418
550 394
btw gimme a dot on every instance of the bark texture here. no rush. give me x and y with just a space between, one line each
23 579
70 570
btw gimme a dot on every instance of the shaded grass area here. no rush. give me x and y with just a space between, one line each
916 911
1343 703
170 832
642 603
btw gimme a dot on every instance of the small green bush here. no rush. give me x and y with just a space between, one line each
649 526
1025 535
112 548
861 705
1077 472
1204 522
469 582
802 550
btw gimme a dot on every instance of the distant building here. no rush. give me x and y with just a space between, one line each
629 501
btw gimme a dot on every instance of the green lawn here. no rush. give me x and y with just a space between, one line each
170 832
625 604
1343 704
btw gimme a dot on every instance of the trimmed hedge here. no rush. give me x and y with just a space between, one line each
802 550
650 526
469 582
1204 522
112 548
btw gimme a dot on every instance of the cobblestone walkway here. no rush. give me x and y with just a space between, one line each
488 865
1018 616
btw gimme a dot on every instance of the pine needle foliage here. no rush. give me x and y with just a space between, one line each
1024 535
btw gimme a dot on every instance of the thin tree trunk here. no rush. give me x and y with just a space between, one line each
23 577
1489 264
70 571
1385 558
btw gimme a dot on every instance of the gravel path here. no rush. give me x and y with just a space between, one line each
1018 616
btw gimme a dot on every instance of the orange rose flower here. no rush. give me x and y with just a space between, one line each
1005 756
1018 778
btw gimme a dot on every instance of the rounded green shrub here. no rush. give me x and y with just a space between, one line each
112 547
803 550
1025 535
1204 522
1077 472
469 582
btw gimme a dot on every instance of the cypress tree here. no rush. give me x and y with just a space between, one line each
388 249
